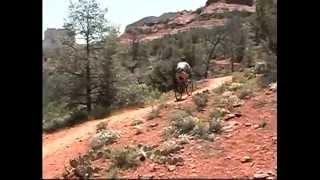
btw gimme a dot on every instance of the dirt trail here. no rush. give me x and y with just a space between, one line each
65 144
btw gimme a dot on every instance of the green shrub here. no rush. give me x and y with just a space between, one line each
136 94
243 93
156 111
201 130
201 100
113 173
102 138
77 117
215 125
124 158
153 113
100 112
221 89
102 126
181 123
218 113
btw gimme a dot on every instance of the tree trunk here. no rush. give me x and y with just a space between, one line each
88 79
232 67
209 56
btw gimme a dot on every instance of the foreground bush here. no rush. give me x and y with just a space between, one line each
136 94
201 100
102 138
56 116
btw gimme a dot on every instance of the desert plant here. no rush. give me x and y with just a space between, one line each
201 130
243 93
201 100
136 94
99 112
221 89
102 138
102 126
218 113
190 110
124 158
215 125
113 173
153 113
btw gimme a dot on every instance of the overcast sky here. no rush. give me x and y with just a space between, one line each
120 12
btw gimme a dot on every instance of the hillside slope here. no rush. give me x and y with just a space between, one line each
61 146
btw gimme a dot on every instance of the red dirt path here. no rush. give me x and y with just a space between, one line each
63 145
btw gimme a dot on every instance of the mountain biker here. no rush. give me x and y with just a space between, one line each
183 71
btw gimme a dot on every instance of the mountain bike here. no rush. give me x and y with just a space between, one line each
182 87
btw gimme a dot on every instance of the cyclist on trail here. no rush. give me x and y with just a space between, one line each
183 71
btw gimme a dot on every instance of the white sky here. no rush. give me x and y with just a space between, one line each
120 12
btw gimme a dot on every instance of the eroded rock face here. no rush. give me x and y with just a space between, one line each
209 16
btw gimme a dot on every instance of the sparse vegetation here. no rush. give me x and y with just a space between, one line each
201 100
221 89
243 93
215 125
183 123
102 126
124 158
218 113
113 173
260 103
102 138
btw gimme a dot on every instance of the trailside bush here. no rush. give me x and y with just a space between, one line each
136 94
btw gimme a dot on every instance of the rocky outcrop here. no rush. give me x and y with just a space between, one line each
239 2
213 14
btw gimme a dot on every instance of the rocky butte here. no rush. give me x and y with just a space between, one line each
213 13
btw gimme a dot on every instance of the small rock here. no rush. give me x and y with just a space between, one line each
138 131
270 178
153 125
194 171
155 146
246 159
256 126
96 175
268 93
211 137
171 168
252 164
270 173
228 158
273 86
260 176
228 136
161 175
238 114
145 177
229 116
247 124
180 164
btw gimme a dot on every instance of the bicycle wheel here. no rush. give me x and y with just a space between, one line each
178 93
189 88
